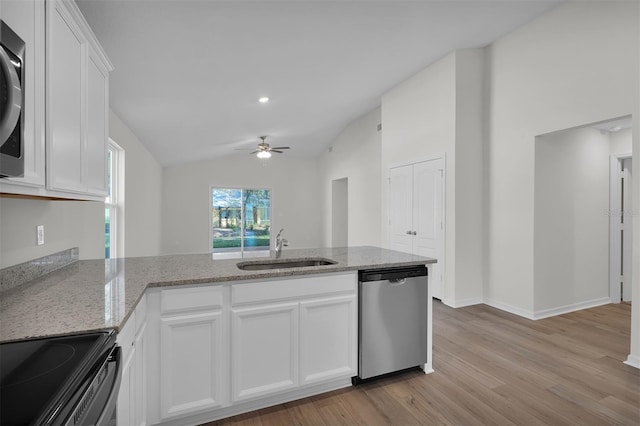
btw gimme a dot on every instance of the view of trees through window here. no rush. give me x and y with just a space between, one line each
240 219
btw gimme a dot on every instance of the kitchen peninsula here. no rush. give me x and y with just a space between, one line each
197 333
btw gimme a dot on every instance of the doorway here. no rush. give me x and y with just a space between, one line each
582 217
621 231
340 213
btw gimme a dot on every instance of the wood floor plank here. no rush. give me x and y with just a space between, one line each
493 368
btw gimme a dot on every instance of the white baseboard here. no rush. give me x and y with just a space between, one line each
461 303
633 360
511 309
245 407
545 313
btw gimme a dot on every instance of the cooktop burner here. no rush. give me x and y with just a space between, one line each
36 374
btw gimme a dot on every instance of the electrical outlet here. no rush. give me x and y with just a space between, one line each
40 234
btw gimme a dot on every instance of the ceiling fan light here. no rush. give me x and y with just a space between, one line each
264 154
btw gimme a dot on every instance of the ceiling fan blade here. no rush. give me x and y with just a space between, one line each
280 147
275 150
256 151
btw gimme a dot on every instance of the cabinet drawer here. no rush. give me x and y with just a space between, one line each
292 288
191 299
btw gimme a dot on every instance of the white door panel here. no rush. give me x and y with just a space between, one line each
416 206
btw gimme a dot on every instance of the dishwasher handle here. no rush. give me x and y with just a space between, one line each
396 282
392 274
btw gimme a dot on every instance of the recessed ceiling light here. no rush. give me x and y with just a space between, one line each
263 100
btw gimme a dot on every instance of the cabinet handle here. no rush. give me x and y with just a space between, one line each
414 233
408 232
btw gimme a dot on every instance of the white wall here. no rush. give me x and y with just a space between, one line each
543 77
418 123
81 223
634 356
621 141
296 198
143 193
440 111
355 155
67 224
571 235
470 232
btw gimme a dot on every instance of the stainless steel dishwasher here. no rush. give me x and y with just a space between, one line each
392 320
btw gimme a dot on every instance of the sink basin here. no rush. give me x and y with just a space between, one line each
283 264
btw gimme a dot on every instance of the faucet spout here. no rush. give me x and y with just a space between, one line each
280 242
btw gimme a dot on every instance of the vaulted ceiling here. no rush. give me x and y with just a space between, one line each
188 73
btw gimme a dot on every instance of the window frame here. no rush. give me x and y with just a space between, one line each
114 200
241 253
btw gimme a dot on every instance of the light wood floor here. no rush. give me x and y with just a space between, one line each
493 368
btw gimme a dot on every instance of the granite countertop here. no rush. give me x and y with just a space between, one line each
91 295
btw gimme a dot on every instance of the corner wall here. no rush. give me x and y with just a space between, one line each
571 228
439 111
143 193
634 355
543 77
355 155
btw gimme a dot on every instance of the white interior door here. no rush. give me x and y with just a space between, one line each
416 221
401 208
427 218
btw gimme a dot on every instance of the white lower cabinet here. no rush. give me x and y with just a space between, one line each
191 362
264 350
328 336
218 350
131 409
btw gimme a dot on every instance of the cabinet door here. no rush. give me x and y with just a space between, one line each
126 400
138 384
328 339
401 208
97 126
191 362
26 18
264 350
66 53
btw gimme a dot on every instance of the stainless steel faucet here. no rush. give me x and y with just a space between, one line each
280 242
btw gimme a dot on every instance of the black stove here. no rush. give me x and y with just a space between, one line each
67 380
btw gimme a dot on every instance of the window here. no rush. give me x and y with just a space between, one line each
240 221
113 204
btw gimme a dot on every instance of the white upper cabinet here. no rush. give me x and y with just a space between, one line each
66 50
77 103
97 124
66 107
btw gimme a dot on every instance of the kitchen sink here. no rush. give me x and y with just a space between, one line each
284 264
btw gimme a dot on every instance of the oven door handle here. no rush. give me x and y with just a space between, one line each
110 406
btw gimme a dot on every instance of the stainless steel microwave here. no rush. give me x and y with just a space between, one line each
12 49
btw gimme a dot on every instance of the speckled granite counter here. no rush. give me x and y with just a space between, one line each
94 295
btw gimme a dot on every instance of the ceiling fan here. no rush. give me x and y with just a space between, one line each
264 150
